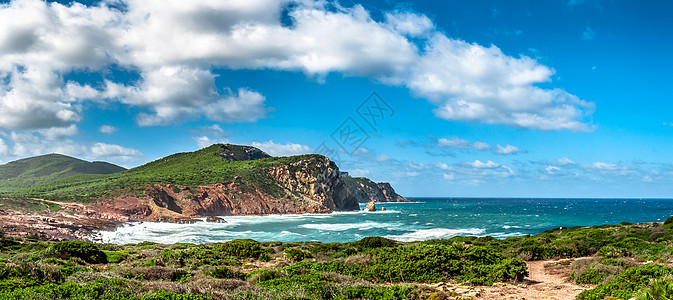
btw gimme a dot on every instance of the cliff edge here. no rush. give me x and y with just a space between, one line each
366 191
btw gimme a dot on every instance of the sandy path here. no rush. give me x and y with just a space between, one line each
547 280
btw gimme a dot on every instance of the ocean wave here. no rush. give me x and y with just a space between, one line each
367 225
510 226
435 233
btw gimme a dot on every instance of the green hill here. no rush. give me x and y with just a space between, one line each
215 164
35 171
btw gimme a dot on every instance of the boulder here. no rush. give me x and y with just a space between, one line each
212 219
370 206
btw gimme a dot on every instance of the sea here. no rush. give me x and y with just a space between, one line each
427 218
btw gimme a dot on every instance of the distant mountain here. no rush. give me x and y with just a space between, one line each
366 190
34 171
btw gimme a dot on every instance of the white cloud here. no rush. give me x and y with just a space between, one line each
288 149
462 144
603 166
481 165
509 149
475 172
4 150
470 82
29 144
382 157
113 152
552 170
410 24
359 172
174 46
589 34
57 133
107 129
565 161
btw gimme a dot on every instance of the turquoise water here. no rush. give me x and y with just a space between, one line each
429 218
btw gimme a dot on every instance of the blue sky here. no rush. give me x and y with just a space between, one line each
474 98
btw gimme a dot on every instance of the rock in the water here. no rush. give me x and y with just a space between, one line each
383 209
370 206
211 219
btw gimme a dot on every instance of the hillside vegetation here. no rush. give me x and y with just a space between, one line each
214 164
35 171
621 261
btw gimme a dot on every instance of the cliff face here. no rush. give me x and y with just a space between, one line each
311 185
318 178
366 191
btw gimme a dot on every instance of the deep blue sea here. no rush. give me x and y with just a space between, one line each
429 218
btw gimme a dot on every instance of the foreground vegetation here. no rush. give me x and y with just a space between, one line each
619 261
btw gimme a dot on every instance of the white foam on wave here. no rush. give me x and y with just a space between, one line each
168 233
435 233
510 226
502 235
367 225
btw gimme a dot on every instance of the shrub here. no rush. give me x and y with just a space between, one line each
263 275
154 273
626 284
203 255
658 289
242 248
87 251
225 273
295 254
115 256
373 242
265 257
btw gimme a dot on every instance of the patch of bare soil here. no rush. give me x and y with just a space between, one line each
546 280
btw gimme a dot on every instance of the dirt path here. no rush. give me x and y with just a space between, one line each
547 280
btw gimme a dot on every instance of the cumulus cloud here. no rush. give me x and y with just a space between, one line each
474 172
113 152
107 129
289 149
175 45
470 82
462 144
509 149
4 150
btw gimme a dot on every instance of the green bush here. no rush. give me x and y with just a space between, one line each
669 221
658 290
197 256
115 256
87 251
264 257
626 284
373 242
225 273
242 248
295 254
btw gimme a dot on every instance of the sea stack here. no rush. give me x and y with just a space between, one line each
370 206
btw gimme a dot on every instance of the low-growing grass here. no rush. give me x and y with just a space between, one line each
371 268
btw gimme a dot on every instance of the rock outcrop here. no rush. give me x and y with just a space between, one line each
366 191
371 206
310 185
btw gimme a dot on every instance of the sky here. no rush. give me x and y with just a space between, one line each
448 98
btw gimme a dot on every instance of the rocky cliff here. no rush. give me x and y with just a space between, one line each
366 191
309 185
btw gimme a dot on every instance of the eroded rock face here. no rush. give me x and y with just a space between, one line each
311 185
366 191
318 178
